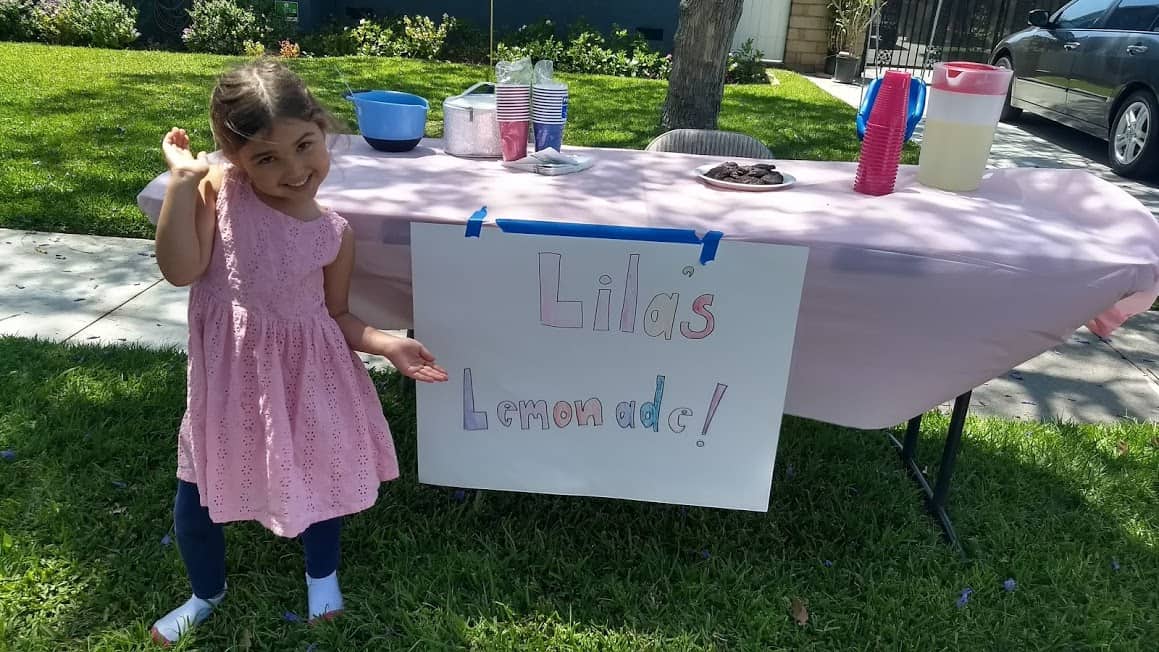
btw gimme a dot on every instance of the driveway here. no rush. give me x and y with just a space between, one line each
1038 142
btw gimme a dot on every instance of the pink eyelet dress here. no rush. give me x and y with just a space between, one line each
282 425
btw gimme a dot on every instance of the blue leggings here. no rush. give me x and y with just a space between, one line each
202 544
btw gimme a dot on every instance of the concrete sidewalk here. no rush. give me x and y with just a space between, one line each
88 289
85 289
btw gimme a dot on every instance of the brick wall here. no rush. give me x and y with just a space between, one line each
808 39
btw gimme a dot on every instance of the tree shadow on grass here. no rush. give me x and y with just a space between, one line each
86 502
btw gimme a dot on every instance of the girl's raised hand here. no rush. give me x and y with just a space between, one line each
413 360
180 160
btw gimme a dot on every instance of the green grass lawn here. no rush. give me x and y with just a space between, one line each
80 128
1071 514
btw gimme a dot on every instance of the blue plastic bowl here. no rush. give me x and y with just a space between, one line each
390 121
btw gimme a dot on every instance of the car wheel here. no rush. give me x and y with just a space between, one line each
1009 113
1132 143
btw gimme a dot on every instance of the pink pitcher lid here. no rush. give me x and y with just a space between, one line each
972 78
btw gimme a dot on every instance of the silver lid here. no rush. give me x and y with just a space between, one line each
478 102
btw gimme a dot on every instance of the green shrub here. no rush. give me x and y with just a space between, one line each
745 66
419 38
277 27
223 27
332 40
535 40
587 50
546 49
253 49
372 39
412 37
97 23
18 20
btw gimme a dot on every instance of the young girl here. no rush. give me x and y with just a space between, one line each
282 423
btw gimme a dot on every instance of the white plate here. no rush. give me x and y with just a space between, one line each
730 185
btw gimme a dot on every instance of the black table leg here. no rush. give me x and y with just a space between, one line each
936 495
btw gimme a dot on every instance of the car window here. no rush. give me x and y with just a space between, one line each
1134 15
1082 14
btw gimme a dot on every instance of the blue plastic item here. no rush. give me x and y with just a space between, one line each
917 106
390 121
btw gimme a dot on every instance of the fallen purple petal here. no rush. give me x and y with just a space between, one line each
119 485
1016 375
790 472
1115 564
291 617
311 647
1009 585
965 597
827 563
459 496
8 455
704 554
166 540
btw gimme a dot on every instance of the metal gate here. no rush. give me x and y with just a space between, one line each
966 30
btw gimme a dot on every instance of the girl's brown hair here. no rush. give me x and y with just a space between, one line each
249 99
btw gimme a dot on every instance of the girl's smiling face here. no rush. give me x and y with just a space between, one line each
286 164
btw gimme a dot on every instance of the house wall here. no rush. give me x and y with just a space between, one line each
807 43
510 14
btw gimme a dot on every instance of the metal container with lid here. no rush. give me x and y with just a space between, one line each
470 123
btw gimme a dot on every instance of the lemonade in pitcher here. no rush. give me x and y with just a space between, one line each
964 104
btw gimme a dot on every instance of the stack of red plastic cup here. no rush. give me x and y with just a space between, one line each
513 105
884 137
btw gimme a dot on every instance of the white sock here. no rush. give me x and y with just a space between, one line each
323 595
194 612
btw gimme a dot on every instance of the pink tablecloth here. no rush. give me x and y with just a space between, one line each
909 299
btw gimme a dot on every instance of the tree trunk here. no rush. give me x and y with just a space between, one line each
700 53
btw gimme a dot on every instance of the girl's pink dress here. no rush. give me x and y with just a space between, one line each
282 423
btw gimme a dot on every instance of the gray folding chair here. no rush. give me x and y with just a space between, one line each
709 142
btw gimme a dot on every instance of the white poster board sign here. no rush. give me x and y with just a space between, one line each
598 367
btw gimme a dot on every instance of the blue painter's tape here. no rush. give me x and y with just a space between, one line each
604 231
475 223
708 251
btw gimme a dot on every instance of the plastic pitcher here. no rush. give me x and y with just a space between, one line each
964 104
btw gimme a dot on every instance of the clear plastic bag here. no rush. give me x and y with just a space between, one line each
514 72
